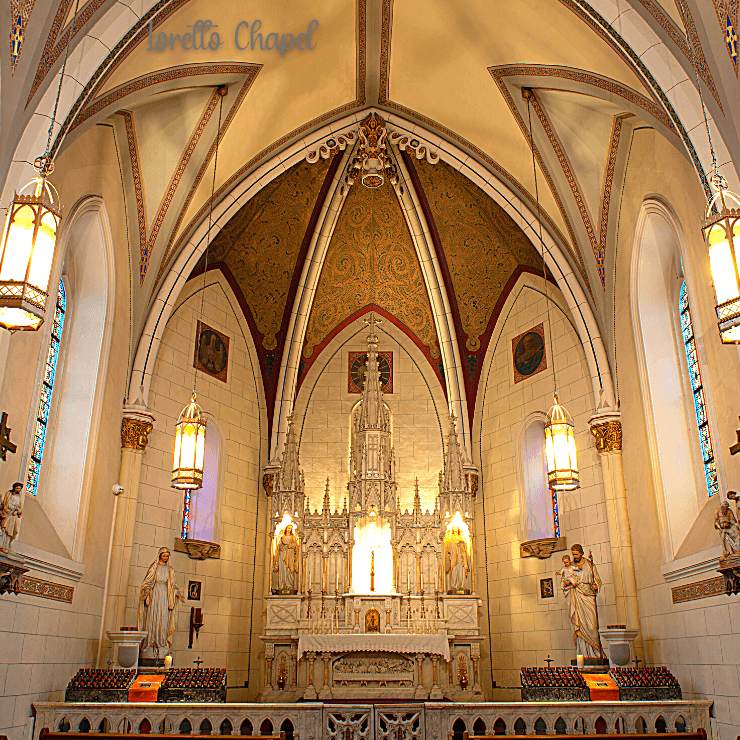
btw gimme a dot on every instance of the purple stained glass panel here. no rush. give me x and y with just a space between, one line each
700 406
47 391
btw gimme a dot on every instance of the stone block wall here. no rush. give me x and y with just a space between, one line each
521 628
232 586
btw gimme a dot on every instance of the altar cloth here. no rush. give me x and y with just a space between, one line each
375 643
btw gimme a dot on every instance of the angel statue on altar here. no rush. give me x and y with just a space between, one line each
286 561
457 563
158 603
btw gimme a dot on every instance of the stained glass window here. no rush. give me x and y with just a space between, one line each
697 388
47 390
555 515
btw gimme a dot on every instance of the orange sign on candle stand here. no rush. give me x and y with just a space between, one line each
145 688
601 687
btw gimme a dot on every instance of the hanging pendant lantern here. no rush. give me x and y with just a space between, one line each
27 255
721 230
190 445
560 450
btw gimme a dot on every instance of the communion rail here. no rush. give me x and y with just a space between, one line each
417 721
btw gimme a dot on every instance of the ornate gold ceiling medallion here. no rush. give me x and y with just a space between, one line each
372 164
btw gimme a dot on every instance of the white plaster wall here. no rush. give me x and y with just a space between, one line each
228 582
417 406
524 628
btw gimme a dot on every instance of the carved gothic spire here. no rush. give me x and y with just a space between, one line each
373 411
291 477
454 478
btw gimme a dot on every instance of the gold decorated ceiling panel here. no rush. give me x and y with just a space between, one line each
371 259
261 243
482 245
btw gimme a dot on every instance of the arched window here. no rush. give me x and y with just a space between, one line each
200 506
697 388
539 516
47 392
71 381
673 390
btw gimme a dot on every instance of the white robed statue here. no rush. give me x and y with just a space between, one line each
286 561
11 511
457 564
580 585
158 603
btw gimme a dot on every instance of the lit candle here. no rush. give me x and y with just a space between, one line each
167 662
309 579
580 662
336 587
408 581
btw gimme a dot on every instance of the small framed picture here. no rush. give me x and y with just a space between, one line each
194 590
547 588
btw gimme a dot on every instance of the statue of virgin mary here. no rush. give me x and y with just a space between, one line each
158 603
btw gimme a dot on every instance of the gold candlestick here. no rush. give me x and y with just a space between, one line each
336 608
372 570
436 600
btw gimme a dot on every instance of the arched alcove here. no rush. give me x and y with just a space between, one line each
87 268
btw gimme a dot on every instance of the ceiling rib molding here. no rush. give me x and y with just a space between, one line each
305 289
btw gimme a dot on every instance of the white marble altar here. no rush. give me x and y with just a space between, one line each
371 578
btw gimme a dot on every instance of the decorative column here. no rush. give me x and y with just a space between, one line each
474 658
606 428
436 692
310 691
325 692
269 655
294 658
420 692
136 426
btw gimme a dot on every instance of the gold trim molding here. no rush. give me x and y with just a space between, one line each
608 436
135 434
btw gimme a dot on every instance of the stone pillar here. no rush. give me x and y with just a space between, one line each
136 426
325 692
310 693
268 673
294 658
475 658
606 428
420 692
436 692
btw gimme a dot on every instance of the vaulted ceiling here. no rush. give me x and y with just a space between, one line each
451 71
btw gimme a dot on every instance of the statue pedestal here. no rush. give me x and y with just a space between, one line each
619 644
126 646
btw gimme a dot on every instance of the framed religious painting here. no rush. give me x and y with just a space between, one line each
357 366
528 353
211 352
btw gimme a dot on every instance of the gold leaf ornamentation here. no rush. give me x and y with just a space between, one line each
482 245
260 244
371 260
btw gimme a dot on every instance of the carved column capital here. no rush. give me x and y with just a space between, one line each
136 426
606 428
135 434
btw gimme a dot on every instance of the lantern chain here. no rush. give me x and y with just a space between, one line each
44 164
527 94
222 90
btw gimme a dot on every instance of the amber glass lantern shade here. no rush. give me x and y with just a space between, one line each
721 229
190 445
27 255
560 450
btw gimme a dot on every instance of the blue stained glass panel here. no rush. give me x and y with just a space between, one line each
47 391
555 514
186 516
700 406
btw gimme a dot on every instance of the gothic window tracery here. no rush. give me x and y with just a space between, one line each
47 391
697 389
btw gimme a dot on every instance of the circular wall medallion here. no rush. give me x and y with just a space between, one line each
528 353
357 370
212 352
